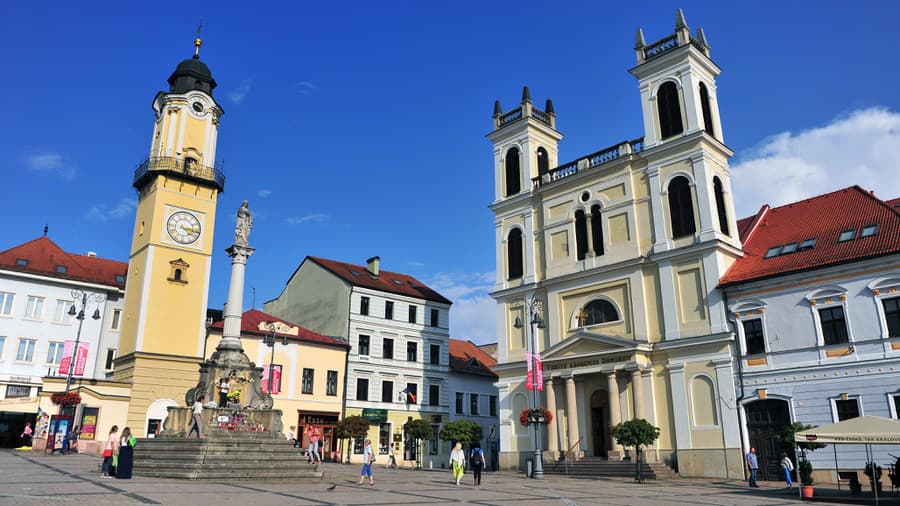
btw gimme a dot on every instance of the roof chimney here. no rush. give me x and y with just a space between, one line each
92 254
372 265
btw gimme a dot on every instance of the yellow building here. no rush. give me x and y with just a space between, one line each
308 373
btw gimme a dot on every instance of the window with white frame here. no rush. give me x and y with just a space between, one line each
891 308
54 353
829 310
34 307
25 350
6 303
751 325
116 321
2 346
833 325
61 313
754 339
894 404
845 408
887 295
460 399
110 358
17 391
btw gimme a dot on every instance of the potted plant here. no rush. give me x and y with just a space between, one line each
636 433
804 469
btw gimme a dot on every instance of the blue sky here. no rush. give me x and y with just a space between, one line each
357 128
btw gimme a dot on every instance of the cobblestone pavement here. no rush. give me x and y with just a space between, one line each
30 479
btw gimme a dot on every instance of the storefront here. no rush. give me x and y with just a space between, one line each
325 423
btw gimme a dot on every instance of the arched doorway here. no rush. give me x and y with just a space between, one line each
600 423
765 420
156 415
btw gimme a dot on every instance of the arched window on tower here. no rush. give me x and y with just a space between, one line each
513 174
707 114
720 205
543 161
669 110
581 237
596 230
681 207
514 256
599 311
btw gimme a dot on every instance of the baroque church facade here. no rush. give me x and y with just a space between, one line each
620 253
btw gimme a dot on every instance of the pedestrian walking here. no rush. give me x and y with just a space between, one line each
477 463
787 466
126 455
313 434
109 449
753 467
368 458
27 432
458 462
197 417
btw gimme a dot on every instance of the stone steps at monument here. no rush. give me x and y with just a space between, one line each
602 468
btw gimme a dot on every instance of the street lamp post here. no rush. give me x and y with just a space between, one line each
96 298
535 307
270 342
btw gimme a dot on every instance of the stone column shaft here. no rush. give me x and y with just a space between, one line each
615 413
552 428
637 386
571 414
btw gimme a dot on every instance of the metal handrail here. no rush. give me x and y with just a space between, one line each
184 167
568 453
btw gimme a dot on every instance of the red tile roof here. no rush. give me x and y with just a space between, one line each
823 218
466 357
43 255
251 319
386 281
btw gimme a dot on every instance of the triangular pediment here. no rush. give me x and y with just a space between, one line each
586 343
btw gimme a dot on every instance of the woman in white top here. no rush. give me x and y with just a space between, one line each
787 466
458 462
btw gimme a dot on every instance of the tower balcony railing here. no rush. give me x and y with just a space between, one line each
186 168
661 46
589 162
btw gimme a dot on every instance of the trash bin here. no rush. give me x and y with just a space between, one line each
529 468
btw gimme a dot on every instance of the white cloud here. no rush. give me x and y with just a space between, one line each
473 314
240 93
862 148
264 193
50 162
309 218
104 213
306 87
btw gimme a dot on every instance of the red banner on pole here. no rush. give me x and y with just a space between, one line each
529 381
66 361
538 373
276 379
81 359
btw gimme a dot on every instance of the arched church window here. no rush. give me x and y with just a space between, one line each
720 205
681 207
599 311
543 161
514 256
581 236
513 174
707 114
596 230
669 110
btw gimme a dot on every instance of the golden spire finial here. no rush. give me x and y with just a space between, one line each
198 42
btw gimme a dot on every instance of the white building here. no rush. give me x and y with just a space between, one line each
474 390
39 283
816 304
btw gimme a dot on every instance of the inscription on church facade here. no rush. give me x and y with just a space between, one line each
589 363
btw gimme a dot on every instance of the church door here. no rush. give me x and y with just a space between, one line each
765 420
599 423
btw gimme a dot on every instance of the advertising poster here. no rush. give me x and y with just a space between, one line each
62 431
276 379
89 423
42 425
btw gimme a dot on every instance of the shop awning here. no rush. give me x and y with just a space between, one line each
861 430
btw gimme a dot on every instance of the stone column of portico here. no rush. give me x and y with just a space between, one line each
552 428
572 415
615 414
637 387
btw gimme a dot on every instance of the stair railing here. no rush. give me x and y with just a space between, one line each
570 453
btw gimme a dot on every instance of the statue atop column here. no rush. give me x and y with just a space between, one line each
244 224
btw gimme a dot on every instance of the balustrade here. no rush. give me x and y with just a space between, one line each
661 46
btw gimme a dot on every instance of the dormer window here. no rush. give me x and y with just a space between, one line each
120 278
847 235
868 230
62 269
21 262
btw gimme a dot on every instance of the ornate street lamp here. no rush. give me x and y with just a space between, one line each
95 298
270 342
536 415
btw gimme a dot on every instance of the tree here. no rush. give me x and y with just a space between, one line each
418 430
351 427
636 433
465 432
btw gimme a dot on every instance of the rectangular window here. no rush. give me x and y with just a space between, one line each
754 340
362 389
460 399
412 350
473 404
846 409
412 393
2 346
306 385
17 391
116 319
25 352
384 438
807 244
895 399
387 391
434 317
892 315
61 313
789 248
110 357
364 306
6 303
868 230
846 235
54 353
388 348
388 310
493 405
773 252
834 328
331 384
435 355
434 395
358 446
412 314
34 307
364 345
433 444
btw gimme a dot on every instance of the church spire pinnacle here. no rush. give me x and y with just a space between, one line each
198 41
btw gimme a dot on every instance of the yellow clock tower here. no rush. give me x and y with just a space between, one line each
169 266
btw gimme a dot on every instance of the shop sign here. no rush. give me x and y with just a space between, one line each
375 415
318 419
589 363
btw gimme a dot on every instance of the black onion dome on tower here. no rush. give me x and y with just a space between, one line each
192 74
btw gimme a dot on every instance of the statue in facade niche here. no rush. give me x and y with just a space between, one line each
244 224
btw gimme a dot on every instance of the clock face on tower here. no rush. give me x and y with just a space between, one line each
183 227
